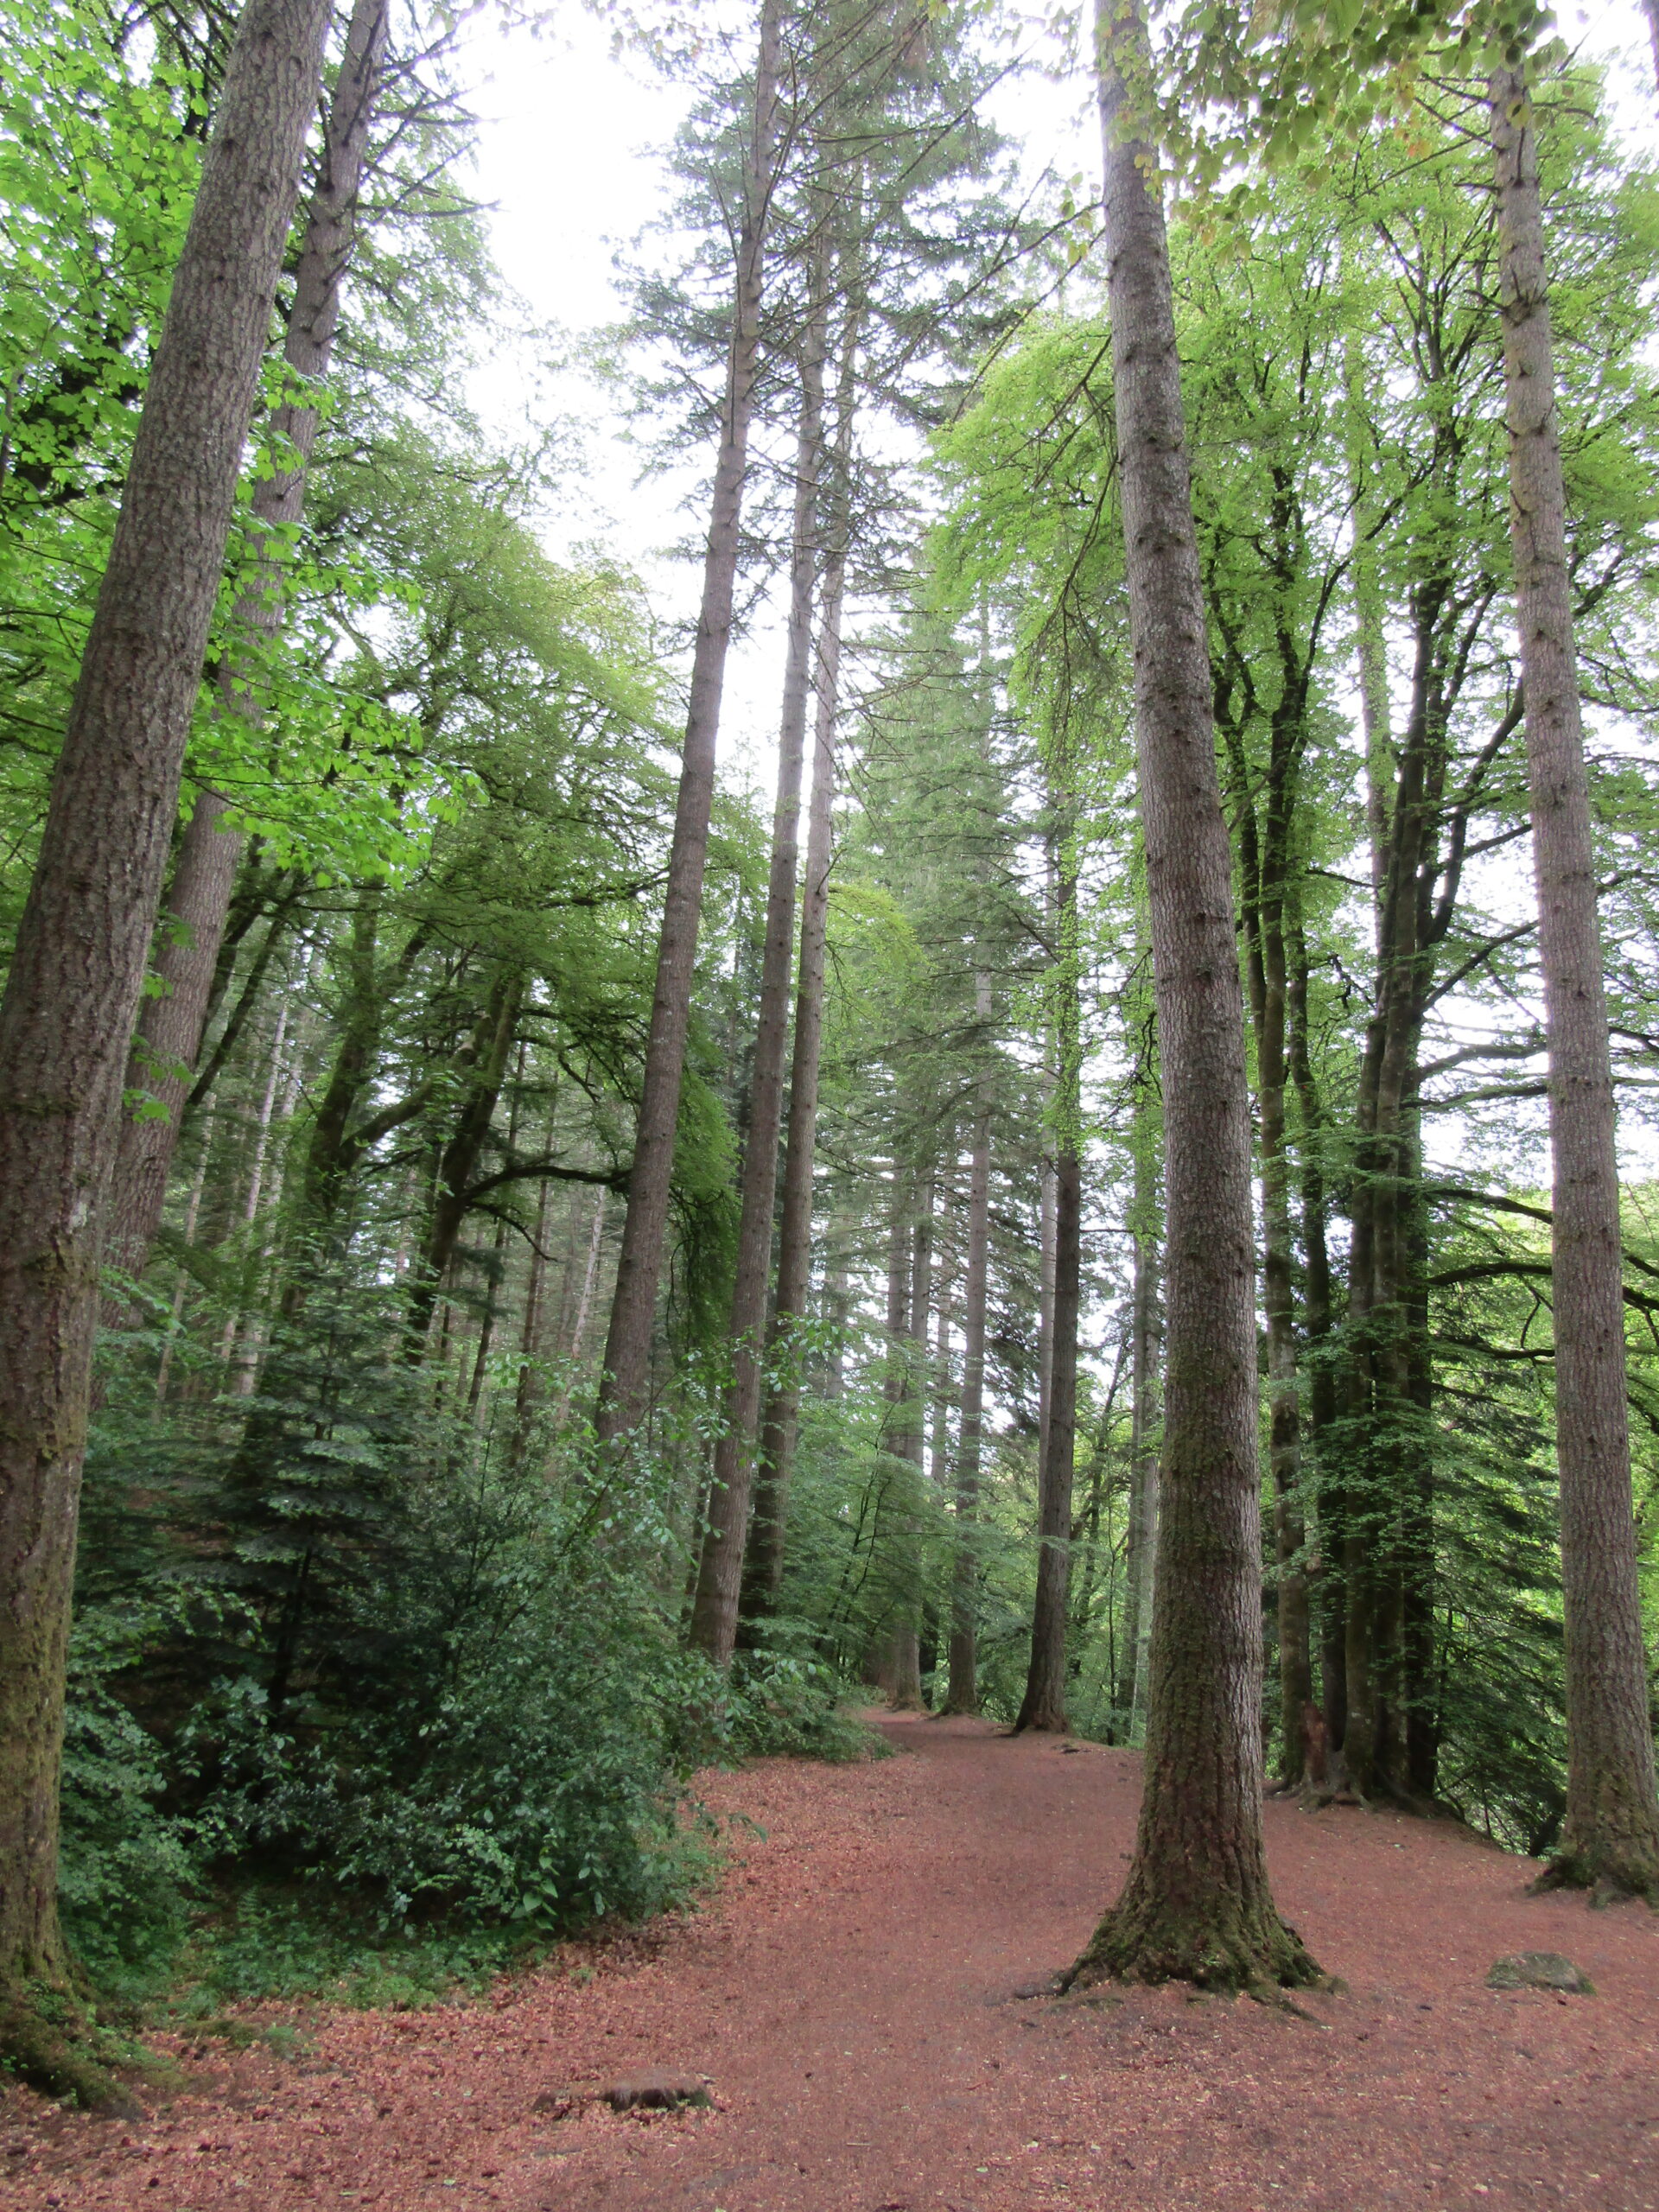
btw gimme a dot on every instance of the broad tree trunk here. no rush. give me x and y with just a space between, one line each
167 1042
963 1694
1195 1905
625 1387
78 966
1610 1836
714 1609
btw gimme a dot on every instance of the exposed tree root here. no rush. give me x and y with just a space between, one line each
1609 1875
49 2040
1230 1948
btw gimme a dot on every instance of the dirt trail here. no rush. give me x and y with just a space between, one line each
849 1998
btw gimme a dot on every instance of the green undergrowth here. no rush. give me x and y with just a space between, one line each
783 1704
269 1944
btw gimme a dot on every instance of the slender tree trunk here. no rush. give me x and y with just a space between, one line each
256 1189
763 1567
1141 1543
714 1612
1044 1704
1317 1317
895 1656
1195 1905
192 1216
77 965
1045 1294
585 1305
168 1043
625 1389
1266 864
496 1033
1610 1836
963 1695
530 1336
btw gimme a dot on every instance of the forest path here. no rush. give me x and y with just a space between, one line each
849 1994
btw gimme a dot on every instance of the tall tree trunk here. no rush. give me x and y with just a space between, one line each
625 1388
1197 1904
714 1612
1146 1380
584 1304
532 1321
963 1694
764 1564
1045 1200
1610 1835
242 1370
1317 1319
167 1042
78 966
1044 1704
895 1656
1265 859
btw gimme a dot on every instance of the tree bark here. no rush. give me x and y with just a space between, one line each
895 1660
1044 1705
78 966
167 1042
714 1609
1610 1836
1264 868
963 1693
1140 1544
764 1564
1317 1320
625 1387
491 1049
1197 1904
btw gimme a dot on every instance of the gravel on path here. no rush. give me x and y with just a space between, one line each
851 1998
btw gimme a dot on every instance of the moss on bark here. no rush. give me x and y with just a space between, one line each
51 2041
1612 1873
1227 1944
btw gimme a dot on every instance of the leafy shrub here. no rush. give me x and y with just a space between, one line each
126 1873
784 1705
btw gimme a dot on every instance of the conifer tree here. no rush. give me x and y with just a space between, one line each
77 967
1196 1905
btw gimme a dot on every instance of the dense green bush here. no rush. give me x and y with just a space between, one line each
127 1871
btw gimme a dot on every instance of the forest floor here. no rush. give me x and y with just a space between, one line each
851 1995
